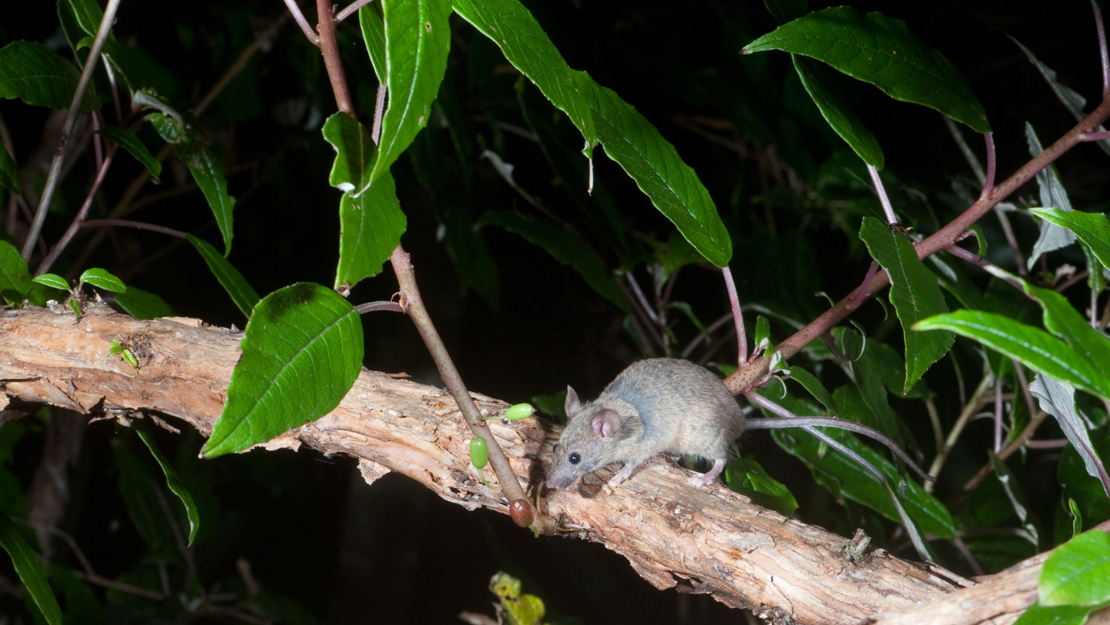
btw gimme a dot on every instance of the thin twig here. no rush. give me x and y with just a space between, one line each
329 48
745 377
737 315
881 191
351 8
992 165
67 127
971 408
298 17
240 63
126 223
1103 56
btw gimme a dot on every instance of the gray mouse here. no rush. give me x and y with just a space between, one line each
664 406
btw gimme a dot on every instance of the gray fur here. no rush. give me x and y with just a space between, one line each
662 406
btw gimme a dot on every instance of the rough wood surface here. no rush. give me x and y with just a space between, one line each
705 541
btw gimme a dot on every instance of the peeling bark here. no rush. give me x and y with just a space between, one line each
708 540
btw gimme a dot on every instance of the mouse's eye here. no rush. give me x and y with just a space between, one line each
574 457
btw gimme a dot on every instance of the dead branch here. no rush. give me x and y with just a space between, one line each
702 541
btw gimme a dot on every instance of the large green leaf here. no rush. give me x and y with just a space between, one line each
241 292
1078 572
205 166
139 491
1034 347
31 573
881 51
565 248
602 117
40 76
1091 228
1064 321
1056 615
417 39
130 142
173 483
915 293
302 351
371 218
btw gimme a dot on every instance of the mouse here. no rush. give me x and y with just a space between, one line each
663 406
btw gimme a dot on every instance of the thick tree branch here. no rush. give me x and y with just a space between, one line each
704 541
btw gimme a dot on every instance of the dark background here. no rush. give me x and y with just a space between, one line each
392 552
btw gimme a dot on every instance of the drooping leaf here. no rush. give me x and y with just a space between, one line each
747 477
565 248
1064 321
241 292
87 13
139 492
1091 228
128 141
1078 572
173 483
142 304
673 187
1058 400
417 39
815 388
373 35
1053 195
881 51
302 351
602 117
31 573
40 76
371 219
205 166
818 82
1034 347
15 278
9 172
101 278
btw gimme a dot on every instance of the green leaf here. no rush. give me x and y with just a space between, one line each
915 293
103 279
130 142
31 573
141 499
40 76
1064 321
206 168
373 35
817 81
810 383
87 13
1058 400
52 280
1034 347
747 477
673 187
241 292
417 39
601 116
173 483
9 172
524 43
142 304
881 51
870 405
1052 195
371 219
565 248
850 480
1078 572
302 351
14 275
1091 228
1056 615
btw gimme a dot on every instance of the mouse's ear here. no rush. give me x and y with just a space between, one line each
572 404
606 423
